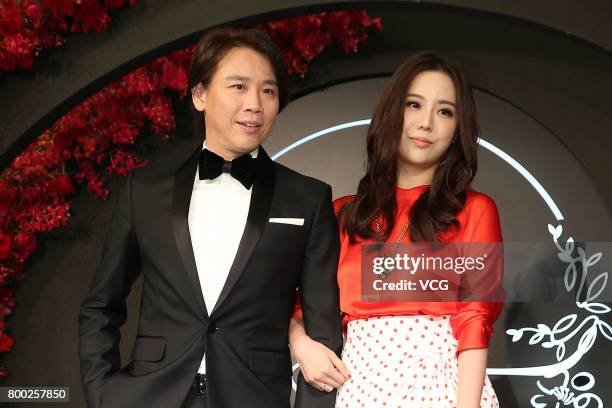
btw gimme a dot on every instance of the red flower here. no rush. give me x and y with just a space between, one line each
34 12
25 243
7 297
304 38
6 343
63 139
138 82
88 16
29 26
61 185
59 8
8 62
117 4
11 20
8 195
173 77
5 246
16 51
5 275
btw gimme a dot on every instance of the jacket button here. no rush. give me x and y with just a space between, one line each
211 328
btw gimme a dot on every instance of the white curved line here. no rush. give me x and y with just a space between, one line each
487 145
525 173
320 133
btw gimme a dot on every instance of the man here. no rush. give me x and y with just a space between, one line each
223 237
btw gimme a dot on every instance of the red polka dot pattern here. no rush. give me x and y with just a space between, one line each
403 362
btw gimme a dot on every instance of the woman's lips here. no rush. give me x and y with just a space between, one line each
420 142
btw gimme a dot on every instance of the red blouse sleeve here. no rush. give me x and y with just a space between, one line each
472 323
297 309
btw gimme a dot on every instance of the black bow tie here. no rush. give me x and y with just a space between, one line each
243 168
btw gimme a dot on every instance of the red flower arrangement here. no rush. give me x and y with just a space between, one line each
29 27
303 38
97 136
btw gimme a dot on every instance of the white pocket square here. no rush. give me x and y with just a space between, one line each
292 221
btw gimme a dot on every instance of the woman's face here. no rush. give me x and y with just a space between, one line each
430 120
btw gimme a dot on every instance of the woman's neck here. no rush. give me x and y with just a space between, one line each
409 177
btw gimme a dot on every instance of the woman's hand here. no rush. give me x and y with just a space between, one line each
320 366
472 369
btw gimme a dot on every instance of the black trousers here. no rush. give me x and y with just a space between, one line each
196 397
194 400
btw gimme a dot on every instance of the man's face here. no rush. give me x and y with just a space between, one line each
240 103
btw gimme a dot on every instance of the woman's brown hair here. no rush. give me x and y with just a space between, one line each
436 209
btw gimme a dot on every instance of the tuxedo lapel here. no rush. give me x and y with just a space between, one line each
181 197
259 209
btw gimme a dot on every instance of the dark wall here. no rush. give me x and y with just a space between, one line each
562 82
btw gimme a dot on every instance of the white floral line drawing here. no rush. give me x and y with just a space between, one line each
570 391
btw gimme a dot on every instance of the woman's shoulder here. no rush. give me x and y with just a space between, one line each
479 219
341 202
478 202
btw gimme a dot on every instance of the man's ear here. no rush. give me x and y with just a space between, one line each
198 96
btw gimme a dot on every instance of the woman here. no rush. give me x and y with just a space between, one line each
421 160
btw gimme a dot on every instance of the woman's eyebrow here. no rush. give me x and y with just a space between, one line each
444 101
415 95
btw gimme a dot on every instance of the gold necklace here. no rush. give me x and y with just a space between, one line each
387 271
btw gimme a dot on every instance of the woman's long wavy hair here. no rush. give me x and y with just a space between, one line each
436 209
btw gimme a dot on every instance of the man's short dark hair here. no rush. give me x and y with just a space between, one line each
215 44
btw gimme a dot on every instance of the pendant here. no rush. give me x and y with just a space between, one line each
386 271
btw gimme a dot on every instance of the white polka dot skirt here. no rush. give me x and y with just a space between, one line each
403 361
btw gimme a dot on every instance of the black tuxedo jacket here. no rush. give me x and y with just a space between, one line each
245 336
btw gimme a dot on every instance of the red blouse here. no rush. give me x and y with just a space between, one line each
471 322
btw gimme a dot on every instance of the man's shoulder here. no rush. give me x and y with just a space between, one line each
168 158
288 177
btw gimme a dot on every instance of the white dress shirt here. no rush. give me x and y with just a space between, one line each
217 216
